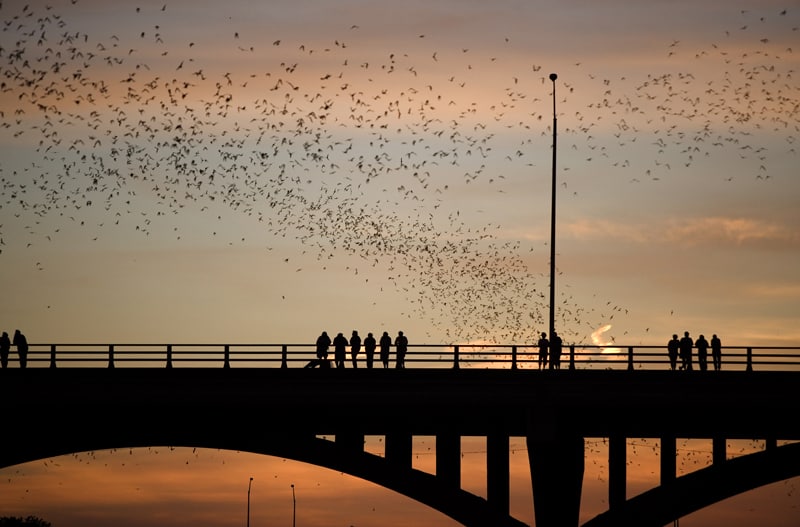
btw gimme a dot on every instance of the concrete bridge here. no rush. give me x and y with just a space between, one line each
284 412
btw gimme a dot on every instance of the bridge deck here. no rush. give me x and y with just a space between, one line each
741 405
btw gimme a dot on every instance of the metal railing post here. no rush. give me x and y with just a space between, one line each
110 355
169 355
455 357
749 359
513 357
284 352
572 356
227 363
630 358
52 355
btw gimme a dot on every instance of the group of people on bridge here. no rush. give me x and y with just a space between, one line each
682 349
370 345
550 350
5 348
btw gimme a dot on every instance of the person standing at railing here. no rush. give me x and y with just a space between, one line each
702 352
555 352
339 350
369 349
401 347
5 348
543 344
355 347
323 344
686 345
672 351
22 348
386 345
716 352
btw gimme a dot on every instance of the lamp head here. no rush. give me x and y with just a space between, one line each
553 77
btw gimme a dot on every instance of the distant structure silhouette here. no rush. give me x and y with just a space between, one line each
702 352
339 350
686 345
716 352
401 347
543 344
369 349
673 346
355 348
386 346
22 348
5 347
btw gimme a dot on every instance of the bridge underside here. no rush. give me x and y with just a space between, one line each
282 412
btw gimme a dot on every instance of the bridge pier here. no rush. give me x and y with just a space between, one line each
448 459
617 471
556 459
399 449
668 461
498 493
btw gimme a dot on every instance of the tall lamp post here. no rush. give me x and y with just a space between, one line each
294 507
553 78
248 501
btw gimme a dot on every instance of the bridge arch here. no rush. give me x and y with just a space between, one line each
462 506
689 493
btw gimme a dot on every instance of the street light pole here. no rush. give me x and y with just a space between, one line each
248 501
294 507
553 78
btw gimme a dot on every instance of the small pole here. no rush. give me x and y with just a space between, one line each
294 508
248 501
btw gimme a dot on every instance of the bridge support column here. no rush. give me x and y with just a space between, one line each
398 449
617 475
497 471
718 453
448 459
350 442
668 462
556 459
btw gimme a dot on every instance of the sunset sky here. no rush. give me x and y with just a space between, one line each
258 172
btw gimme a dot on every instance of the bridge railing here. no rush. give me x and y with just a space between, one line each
421 356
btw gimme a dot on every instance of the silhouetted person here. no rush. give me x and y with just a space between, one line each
401 347
716 352
369 348
386 345
22 348
543 344
5 348
339 350
702 352
555 352
355 348
685 350
323 344
672 351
